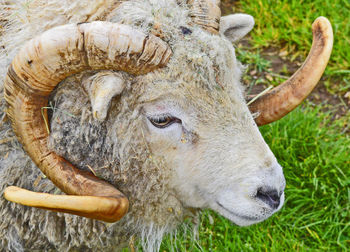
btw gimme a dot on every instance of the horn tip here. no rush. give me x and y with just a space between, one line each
10 192
323 24
116 212
322 19
124 206
322 30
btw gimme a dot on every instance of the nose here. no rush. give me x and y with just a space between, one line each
269 196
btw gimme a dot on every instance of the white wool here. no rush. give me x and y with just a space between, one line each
23 20
203 69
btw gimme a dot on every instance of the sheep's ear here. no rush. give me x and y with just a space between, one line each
102 87
236 26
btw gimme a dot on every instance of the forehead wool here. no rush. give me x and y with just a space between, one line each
26 20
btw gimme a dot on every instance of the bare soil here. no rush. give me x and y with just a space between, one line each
339 103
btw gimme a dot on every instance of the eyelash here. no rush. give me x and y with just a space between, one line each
163 121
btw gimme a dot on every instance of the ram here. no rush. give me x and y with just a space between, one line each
134 114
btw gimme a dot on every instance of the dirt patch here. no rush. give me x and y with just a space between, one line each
282 66
228 6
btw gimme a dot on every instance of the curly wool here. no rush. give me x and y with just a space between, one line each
124 158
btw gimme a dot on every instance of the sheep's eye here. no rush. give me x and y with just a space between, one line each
164 121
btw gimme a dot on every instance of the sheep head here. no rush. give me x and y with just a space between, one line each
191 110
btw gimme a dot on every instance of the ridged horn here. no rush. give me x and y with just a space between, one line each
206 13
40 65
284 98
102 87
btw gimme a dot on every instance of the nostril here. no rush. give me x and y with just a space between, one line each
270 197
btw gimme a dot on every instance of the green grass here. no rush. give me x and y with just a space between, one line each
287 24
316 216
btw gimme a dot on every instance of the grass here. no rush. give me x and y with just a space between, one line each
316 216
287 25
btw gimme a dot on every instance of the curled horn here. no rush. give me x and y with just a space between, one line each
284 98
206 13
39 66
102 87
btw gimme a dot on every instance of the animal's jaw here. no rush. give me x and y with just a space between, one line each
247 218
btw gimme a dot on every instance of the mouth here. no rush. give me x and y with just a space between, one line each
244 217
249 215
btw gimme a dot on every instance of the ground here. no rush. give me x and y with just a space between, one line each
277 68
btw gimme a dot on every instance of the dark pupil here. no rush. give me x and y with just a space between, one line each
163 122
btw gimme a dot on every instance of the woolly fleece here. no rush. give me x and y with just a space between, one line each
115 149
